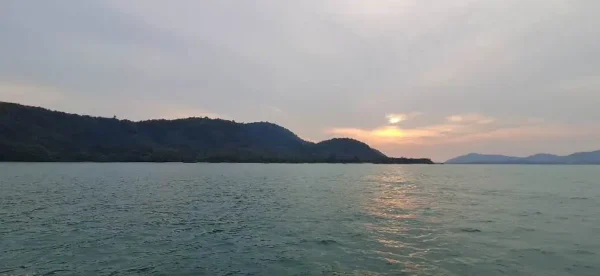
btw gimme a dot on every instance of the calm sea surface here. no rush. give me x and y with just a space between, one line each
255 219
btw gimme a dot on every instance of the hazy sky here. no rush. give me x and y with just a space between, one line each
412 78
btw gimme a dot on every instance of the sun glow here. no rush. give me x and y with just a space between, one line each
390 132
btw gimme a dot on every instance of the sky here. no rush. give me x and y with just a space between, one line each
415 78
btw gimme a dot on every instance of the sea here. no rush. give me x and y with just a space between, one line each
298 219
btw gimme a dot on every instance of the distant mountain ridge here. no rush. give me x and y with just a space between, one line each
592 157
37 134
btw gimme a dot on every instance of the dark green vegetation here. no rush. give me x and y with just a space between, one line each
37 134
592 157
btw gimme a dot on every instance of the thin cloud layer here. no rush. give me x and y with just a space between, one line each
323 63
470 118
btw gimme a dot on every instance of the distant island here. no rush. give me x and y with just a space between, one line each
580 158
34 134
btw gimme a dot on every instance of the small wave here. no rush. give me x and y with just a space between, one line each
7 271
322 242
584 252
390 261
327 242
470 230
30 212
141 269
54 272
524 229
481 221
526 214
533 250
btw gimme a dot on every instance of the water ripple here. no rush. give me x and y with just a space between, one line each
245 219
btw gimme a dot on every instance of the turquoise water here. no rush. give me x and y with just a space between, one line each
277 219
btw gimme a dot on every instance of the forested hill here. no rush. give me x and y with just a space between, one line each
37 134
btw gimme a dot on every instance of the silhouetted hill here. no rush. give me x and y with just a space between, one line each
481 158
37 134
346 149
543 158
540 158
592 157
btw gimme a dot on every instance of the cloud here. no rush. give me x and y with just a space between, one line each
319 61
455 119
461 130
275 109
470 118
395 118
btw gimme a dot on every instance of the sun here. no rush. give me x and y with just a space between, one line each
396 118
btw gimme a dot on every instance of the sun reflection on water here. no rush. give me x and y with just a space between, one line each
401 207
